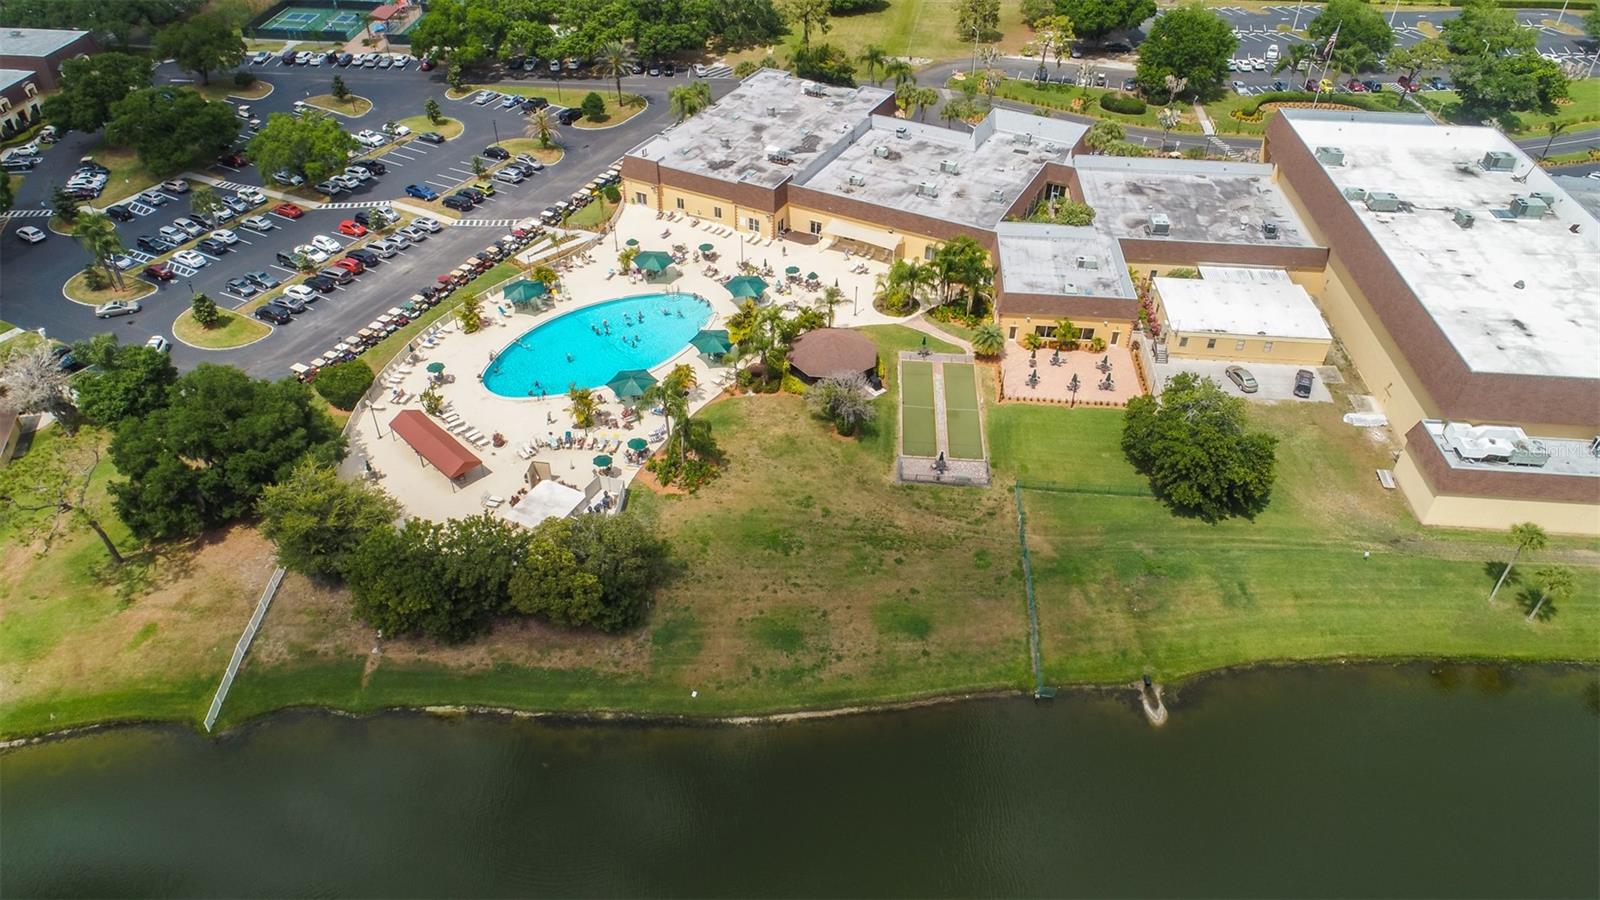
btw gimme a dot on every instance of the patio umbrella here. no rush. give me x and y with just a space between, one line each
706 248
747 286
630 382
792 270
638 444
712 342
653 261
633 242
435 367
811 276
602 461
523 291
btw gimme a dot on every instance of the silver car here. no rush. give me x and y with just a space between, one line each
1241 377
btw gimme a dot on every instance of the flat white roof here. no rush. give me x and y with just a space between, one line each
1268 309
1512 295
1062 260
1205 201
35 41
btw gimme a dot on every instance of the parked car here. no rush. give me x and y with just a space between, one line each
569 115
122 262
243 288
430 225
212 246
320 284
1241 377
117 308
530 162
186 227
360 174
421 192
432 137
383 248
258 223
414 233
287 179
326 244
348 182
225 236
149 243
277 315
175 185
367 257
426 64
474 194
529 104
372 166
330 187
233 160
454 201
1303 380
159 272
338 274
311 253
120 213
301 292
351 228
351 264
252 196
485 97
496 153
288 210
510 175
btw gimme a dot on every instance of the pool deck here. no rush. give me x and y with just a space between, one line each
422 491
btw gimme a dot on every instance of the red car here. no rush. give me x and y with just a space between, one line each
288 210
426 65
159 272
351 264
1355 86
234 160
352 228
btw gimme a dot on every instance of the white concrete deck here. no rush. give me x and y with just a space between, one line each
424 492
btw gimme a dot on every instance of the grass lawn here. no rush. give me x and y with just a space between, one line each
128 175
1085 101
1125 587
23 342
615 114
1581 108
234 331
134 288
547 155
592 216
920 29
448 127
352 107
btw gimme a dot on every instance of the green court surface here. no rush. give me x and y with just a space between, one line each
311 18
917 435
962 427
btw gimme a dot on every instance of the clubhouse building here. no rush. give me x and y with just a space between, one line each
1459 278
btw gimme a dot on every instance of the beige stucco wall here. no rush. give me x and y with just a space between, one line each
701 206
912 245
1492 513
1103 328
1193 345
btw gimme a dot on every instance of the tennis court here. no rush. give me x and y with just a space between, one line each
963 431
310 18
917 434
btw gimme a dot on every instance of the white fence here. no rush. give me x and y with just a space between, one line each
243 647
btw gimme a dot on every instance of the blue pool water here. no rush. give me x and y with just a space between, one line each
576 349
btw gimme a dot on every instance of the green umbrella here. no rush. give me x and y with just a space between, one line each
792 270
602 461
523 291
633 242
630 382
436 367
706 248
811 276
638 444
652 261
747 286
712 343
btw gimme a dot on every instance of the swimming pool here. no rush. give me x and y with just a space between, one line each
586 347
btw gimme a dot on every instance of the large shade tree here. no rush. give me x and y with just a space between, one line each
1195 445
91 85
1094 19
171 129
1364 37
201 44
313 145
316 519
1190 43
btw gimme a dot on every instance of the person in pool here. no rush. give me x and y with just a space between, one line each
569 357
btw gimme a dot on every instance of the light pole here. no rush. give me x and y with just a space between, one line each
1392 12
496 124
1297 8
974 50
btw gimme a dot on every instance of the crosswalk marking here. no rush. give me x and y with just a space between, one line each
28 214
351 204
485 223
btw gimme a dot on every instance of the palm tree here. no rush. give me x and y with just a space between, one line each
988 340
873 58
924 98
1555 583
540 126
900 71
1526 536
686 100
1065 332
831 297
98 234
1553 129
678 383
614 60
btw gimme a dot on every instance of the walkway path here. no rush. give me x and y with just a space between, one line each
920 323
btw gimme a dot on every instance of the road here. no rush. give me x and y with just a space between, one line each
34 274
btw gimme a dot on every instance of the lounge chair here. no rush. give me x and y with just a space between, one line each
490 501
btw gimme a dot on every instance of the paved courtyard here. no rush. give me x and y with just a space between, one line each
1053 379
589 279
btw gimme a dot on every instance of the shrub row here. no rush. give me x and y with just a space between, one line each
1252 111
1127 104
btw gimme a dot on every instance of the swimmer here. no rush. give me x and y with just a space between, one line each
569 357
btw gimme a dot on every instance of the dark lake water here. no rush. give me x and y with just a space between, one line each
1459 782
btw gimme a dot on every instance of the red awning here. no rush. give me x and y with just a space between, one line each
384 13
434 443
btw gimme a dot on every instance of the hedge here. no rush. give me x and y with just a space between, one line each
342 384
1252 111
1126 104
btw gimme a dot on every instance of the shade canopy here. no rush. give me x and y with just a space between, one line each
792 270
653 260
811 276
712 342
633 242
850 231
436 367
748 286
602 461
637 444
433 443
548 500
522 291
706 248
631 382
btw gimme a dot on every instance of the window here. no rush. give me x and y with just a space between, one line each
1044 331
1114 336
716 212
680 203
1211 343
1013 334
815 227
752 223
1237 346
1085 334
638 197
1266 346
1183 342
929 251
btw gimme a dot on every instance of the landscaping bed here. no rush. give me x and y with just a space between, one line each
352 107
234 331
135 288
615 114
1085 101
446 126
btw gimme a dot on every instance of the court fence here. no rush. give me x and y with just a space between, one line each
257 27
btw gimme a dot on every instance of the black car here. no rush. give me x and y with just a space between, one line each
149 243
287 259
263 280
532 103
459 204
1280 85
321 284
243 287
367 257
1303 380
277 315
344 60
432 137
496 153
213 246
669 69
1373 86
473 194
569 115
373 166
120 213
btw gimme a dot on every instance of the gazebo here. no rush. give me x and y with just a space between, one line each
831 352
654 262
433 444
525 294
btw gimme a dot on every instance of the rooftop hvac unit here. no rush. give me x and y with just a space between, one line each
902 131
1025 137
927 189
772 111
1499 161
1529 207
997 196
1088 262
857 181
1355 193
778 155
880 152
812 89
1548 198
1160 224
950 167
1464 218
1269 230
1383 201
1330 156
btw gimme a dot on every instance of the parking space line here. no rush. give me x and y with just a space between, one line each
283 269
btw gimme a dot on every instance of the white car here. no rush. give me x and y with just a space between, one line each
401 59
158 344
300 292
357 173
413 233
484 97
176 185
173 233
225 236
258 223
252 196
31 234
190 226
261 58
348 182
427 224
398 131
318 59
370 138
303 58
189 258
117 308
325 243
314 254
288 178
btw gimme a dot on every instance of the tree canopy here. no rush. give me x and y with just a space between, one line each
171 129
593 571
342 384
312 145
1194 445
316 519
825 63
1364 36
91 85
1190 42
201 44
203 459
128 382
1094 19
1500 86
1483 28
117 18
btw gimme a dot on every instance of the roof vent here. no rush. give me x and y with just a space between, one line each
1548 198
727 144
1383 201
997 196
902 131
1330 156
1160 224
1088 262
880 152
1531 207
1464 218
1499 161
772 111
1355 193
950 167
1269 230
1025 137
857 181
927 189
812 89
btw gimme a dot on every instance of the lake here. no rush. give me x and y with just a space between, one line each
1345 781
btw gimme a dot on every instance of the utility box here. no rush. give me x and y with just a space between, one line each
1499 161
1464 218
1529 208
1330 156
1383 201
1160 224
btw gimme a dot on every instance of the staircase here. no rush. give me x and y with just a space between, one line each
1159 349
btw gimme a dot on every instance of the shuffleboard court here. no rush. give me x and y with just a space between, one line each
962 427
917 433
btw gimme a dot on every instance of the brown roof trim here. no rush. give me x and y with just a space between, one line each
1494 482
1056 306
1157 250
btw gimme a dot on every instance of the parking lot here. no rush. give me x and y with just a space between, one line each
1275 382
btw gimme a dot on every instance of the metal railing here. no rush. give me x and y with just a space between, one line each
243 646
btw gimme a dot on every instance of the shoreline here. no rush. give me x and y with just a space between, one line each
783 717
